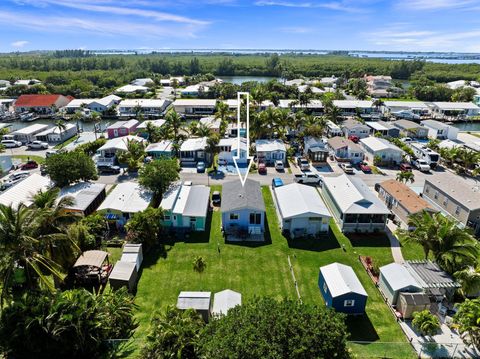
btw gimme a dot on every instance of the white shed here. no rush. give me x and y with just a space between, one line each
225 300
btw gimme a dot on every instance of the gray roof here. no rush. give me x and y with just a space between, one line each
406 124
123 271
194 300
415 298
352 124
235 197
198 201
398 277
429 275
91 258
225 300
338 142
83 194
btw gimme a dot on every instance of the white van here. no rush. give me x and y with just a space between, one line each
11 143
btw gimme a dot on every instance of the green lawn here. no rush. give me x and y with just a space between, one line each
262 270
66 143
25 158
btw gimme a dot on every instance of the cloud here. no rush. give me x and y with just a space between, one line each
434 4
345 6
19 44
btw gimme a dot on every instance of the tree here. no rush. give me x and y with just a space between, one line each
203 130
65 168
133 156
199 264
271 329
463 94
144 227
173 334
60 125
469 279
71 324
212 144
159 174
405 176
358 88
467 319
425 322
174 122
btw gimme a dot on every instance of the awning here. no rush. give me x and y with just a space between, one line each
91 258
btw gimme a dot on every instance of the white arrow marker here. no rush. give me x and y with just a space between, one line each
239 138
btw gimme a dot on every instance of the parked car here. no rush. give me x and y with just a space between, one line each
354 138
11 143
422 165
50 153
13 179
303 164
346 167
405 167
406 140
279 165
201 167
308 178
277 182
216 198
37 145
364 167
108 169
29 165
262 168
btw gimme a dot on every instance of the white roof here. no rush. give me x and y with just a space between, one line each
122 271
195 102
24 191
194 88
341 279
225 300
379 144
270 145
142 102
456 105
233 143
162 146
376 126
142 82
233 102
78 102
120 143
435 124
194 144
407 104
211 122
194 300
297 200
156 123
30 129
353 103
189 200
127 197
353 196
314 89
131 88
398 277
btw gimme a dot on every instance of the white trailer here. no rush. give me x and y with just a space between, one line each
422 152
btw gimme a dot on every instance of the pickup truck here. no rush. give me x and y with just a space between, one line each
308 178
422 165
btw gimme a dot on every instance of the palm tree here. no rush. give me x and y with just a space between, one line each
203 130
133 156
212 142
423 234
192 128
222 111
426 322
406 176
152 132
469 278
174 122
377 103
199 264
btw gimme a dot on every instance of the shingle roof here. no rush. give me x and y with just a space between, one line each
341 279
235 197
340 142
403 194
37 100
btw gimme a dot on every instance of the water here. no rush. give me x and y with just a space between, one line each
441 58
238 80
468 126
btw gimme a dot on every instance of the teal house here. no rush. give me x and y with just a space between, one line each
160 149
186 207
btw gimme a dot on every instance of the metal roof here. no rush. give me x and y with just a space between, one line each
83 194
24 191
162 146
120 143
429 275
91 258
155 123
142 102
270 145
398 277
122 271
235 196
127 197
225 300
194 144
341 279
379 144
119 124
195 102
456 106
194 300
297 200
36 128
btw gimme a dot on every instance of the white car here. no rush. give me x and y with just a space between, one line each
406 140
422 165
13 179
279 165
303 164
11 143
347 167
38 145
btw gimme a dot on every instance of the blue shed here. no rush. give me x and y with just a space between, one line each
341 289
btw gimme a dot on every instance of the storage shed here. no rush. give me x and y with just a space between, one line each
225 300
124 274
341 289
133 253
408 303
394 279
199 301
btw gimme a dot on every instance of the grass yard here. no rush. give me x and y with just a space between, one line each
66 143
25 158
262 270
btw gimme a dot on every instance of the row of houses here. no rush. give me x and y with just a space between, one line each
45 133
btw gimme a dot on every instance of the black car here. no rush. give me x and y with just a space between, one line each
108 169
216 198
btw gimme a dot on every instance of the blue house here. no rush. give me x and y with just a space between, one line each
243 209
341 289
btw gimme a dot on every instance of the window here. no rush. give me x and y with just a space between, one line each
193 219
427 189
436 195
255 218
233 216
166 218
325 288
445 201
349 303
457 210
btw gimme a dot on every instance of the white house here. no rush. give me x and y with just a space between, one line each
108 152
448 109
193 150
439 130
146 107
269 151
301 210
27 134
386 151
228 147
195 107
352 127
352 107
129 89
56 135
315 149
417 107
142 82
99 105
194 90
345 150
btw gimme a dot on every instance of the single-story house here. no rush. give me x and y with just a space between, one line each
315 150
353 107
402 200
352 127
233 104
301 211
199 301
353 205
185 206
87 196
42 104
395 279
57 135
341 289
142 127
130 89
194 90
145 107
212 123
313 107
332 129
447 109
269 151
123 274
160 149
384 128
170 81
410 129
345 150
243 208
27 134
99 105
107 154
122 128
24 190
228 148
416 107
384 150
194 150
126 199
195 107
225 300
439 130
142 82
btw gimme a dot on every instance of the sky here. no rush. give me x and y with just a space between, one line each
409 25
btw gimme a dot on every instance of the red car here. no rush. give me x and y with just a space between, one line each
365 168
262 168
354 138
30 165
405 167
